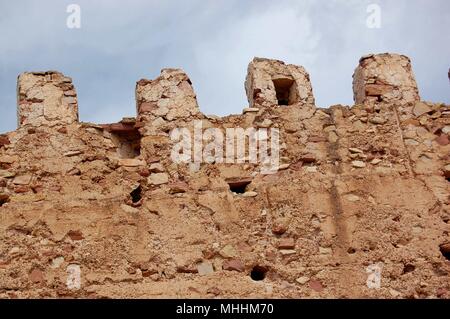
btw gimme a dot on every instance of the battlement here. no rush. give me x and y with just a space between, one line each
384 78
46 98
49 98
273 83
280 96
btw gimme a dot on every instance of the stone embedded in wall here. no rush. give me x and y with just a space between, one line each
272 82
167 98
384 78
46 98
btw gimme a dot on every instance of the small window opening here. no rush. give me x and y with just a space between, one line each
445 250
284 91
127 138
239 186
258 273
136 194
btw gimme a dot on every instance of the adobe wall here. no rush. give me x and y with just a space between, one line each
263 75
45 98
356 187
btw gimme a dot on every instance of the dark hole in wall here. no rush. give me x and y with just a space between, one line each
136 194
408 268
127 139
283 89
239 186
258 273
3 199
447 174
445 250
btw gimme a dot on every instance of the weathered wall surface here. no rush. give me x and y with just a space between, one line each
46 98
105 204
384 78
264 75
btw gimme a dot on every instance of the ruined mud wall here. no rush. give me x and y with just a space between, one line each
102 210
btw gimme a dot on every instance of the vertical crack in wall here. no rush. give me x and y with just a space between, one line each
342 240
410 162
400 131
335 199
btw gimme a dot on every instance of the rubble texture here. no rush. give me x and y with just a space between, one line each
265 75
89 210
384 78
46 98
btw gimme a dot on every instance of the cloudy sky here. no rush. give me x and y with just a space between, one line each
120 42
